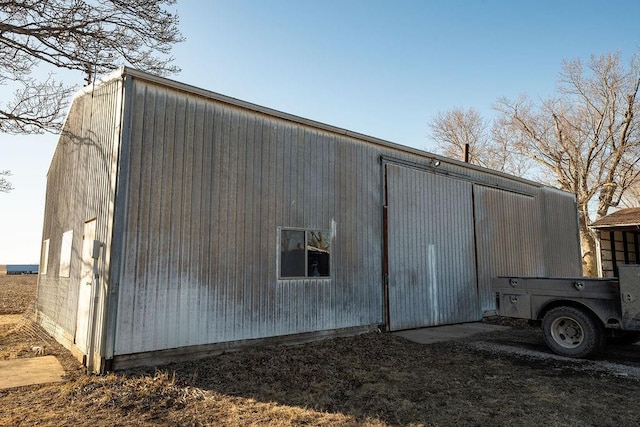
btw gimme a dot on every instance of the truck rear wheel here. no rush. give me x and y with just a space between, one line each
573 332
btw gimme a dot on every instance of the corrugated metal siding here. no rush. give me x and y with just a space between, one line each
208 185
432 278
205 182
519 235
560 236
508 238
80 186
54 297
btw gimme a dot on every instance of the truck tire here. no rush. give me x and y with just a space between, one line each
573 332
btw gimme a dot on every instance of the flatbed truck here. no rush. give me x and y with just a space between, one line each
578 316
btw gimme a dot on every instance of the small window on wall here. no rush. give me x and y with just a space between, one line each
65 254
304 253
44 262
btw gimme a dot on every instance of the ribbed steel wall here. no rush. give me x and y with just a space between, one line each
208 186
80 187
520 235
521 228
205 183
432 277
508 238
560 239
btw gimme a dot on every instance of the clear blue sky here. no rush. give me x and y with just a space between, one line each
382 68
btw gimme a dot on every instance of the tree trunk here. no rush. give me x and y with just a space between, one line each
588 244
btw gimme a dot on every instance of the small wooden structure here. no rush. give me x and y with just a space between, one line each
618 240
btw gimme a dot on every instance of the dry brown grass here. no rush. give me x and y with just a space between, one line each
372 380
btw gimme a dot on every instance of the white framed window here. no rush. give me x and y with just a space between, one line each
304 253
44 260
65 253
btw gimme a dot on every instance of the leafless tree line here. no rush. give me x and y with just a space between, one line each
39 37
585 139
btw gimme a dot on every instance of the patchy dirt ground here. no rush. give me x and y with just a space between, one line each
17 293
377 379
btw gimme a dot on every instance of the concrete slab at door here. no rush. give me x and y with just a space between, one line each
431 251
35 370
449 332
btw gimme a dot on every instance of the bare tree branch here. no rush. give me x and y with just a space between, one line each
5 185
454 130
586 140
89 36
594 147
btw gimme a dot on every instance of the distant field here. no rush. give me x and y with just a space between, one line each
3 269
17 293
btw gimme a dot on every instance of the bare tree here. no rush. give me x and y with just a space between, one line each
456 129
631 198
5 186
89 36
489 145
587 138
502 155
